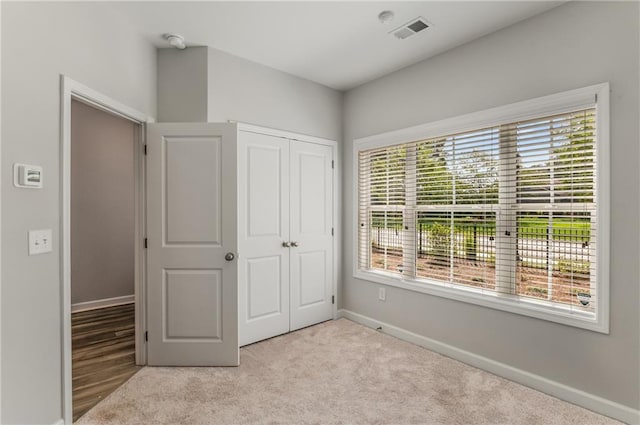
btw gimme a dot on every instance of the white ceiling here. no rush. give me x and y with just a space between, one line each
338 44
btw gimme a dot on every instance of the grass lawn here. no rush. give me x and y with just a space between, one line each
578 230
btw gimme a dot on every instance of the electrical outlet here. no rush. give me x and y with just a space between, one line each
40 241
382 294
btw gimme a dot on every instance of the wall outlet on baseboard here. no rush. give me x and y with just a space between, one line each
382 294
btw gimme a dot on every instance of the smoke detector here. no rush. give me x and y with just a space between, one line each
385 17
175 40
411 28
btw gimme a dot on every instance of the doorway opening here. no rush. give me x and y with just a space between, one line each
102 254
102 245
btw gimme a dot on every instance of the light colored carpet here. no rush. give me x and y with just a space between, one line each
334 372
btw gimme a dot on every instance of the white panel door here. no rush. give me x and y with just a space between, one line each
191 226
311 228
263 232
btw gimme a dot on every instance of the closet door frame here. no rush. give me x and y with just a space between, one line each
335 186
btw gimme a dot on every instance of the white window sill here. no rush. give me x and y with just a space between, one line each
539 309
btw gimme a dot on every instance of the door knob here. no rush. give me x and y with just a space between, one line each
294 244
230 256
286 244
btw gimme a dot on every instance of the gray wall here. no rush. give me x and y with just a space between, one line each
39 42
241 90
102 204
182 85
574 45
245 91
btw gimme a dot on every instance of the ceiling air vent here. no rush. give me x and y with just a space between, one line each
410 28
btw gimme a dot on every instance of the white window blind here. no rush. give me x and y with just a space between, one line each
509 210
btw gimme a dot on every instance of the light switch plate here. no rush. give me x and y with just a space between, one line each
40 241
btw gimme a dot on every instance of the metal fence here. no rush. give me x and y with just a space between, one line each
537 247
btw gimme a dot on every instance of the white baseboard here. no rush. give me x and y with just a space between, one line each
556 389
59 422
107 302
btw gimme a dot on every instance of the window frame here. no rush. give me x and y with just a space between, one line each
587 97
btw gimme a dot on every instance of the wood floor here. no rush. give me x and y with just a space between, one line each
103 343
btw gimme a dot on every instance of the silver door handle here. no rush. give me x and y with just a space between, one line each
286 244
230 256
294 244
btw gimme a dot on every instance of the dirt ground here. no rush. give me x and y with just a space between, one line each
531 281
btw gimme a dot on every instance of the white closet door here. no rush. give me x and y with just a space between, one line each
311 224
263 201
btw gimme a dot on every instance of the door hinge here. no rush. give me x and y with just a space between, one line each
333 164
145 149
332 231
333 299
145 243
146 335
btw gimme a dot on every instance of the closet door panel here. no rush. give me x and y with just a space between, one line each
263 200
311 226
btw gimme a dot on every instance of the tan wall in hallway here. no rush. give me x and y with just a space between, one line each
102 205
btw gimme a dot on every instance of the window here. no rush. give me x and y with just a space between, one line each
494 210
